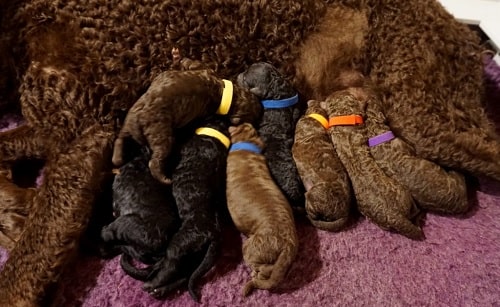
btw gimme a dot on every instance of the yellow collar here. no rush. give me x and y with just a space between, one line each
320 118
214 133
227 97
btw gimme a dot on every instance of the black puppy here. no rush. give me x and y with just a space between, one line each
198 186
277 126
145 211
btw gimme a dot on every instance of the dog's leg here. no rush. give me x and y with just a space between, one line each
130 230
21 142
187 241
61 210
160 146
15 202
15 205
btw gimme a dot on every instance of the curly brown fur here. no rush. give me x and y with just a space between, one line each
15 205
277 127
328 196
146 215
77 174
174 99
432 187
380 198
198 188
111 51
437 79
260 211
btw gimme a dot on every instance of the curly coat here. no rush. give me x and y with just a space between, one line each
432 187
146 215
175 99
198 186
329 194
75 64
380 198
260 211
276 127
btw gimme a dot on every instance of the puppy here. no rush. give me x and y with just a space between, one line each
380 198
174 99
146 216
328 196
277 126
259 210
198 186
432 187
15 205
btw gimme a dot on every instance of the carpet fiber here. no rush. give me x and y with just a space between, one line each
458 264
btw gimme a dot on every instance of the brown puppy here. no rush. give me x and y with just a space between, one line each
260 211
380 198
174 99
15 207
328 196
432 187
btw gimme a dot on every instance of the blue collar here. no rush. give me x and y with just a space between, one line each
280 103
248 146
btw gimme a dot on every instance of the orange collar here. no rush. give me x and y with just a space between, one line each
346 120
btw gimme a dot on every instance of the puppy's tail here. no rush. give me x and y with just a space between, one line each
405 227
206 264
132 271
280 269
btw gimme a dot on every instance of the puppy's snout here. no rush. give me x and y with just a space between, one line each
240 80
235 120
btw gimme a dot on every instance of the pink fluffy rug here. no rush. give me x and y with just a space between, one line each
458 264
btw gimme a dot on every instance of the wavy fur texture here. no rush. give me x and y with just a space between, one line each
329 198
175 99
277 127
74 64
259 210
380 198
198 188
146 214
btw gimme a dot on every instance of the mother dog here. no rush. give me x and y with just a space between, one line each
78 65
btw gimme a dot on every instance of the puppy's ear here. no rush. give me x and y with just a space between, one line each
279 87
258 91
310 102
232 130
324 105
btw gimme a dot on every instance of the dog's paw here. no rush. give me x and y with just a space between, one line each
107 234
160 292
156 169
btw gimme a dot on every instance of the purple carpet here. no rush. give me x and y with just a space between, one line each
458 264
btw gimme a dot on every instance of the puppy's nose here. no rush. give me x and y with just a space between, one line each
239 80
235 120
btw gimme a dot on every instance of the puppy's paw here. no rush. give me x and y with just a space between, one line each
107 234
160 292
156 169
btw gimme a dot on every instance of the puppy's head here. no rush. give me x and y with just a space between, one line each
343 103
246 107
245 133
314 107
265 81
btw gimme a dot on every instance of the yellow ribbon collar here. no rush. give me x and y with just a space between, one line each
320 118
214 133
227 98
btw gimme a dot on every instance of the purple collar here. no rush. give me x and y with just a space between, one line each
381 138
